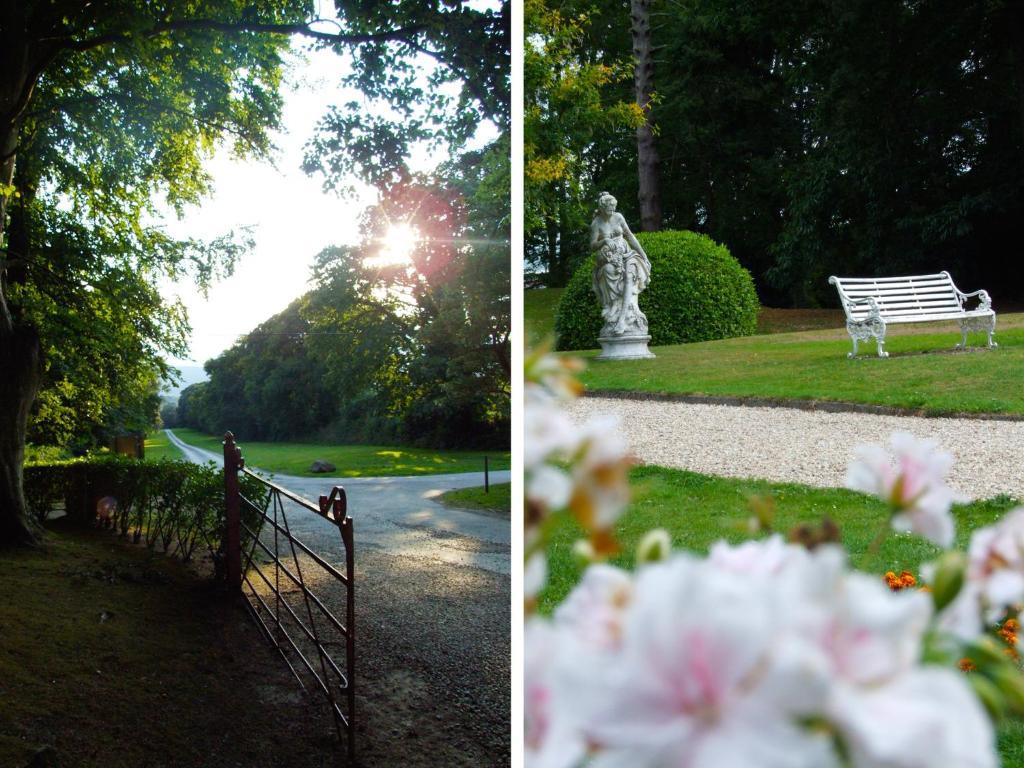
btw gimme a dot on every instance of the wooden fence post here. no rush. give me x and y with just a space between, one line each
233 508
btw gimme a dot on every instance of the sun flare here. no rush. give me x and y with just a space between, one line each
396 246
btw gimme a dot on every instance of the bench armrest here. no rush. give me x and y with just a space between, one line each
849 303
984 300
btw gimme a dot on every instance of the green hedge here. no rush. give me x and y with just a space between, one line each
174 505
698 292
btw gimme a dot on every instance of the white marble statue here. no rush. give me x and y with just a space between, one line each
622 271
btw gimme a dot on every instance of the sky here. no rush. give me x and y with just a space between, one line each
291 217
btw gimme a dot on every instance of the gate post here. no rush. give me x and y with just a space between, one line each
233 509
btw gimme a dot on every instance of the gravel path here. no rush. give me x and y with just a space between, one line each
809 447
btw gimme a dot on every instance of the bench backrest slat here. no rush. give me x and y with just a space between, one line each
911 296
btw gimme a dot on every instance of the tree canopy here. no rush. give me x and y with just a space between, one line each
811 138
384 349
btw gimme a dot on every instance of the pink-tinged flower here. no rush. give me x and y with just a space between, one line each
756 558
551 740
995 561
697 681
871 634
994 582
763 654
912 481
594 611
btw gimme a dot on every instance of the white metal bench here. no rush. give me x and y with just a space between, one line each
872 303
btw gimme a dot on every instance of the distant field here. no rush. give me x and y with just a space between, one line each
539 305
351 460
159 447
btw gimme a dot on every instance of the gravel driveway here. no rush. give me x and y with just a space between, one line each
432 616
809 447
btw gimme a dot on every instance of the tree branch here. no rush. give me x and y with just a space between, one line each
188 25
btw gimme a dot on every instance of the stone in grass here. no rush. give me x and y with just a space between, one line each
321 466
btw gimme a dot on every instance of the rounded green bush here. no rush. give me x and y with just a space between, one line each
698 292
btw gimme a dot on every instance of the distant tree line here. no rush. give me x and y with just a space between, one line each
412 352
810 137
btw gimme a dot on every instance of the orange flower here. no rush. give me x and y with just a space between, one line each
903 581
1008 634
966 665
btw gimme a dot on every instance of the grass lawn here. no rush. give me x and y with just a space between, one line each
158 447
698 510
351 460
118 657
498 502
923 371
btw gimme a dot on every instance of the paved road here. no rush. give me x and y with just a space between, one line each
397 515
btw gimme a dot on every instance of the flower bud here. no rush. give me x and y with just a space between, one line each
583 553
948 579
656 545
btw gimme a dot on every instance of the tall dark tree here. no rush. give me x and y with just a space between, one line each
647 160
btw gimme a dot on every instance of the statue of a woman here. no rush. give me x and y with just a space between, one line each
621 272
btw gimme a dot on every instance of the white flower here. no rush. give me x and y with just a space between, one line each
550 434
912 482
871 634
595 609
549 487
928 717
756 558
762 654
600 475
535 574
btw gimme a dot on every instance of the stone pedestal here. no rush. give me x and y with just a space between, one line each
624 347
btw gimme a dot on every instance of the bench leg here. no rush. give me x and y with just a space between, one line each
985 324
862 330
963 336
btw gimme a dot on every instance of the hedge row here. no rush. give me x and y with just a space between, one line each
175 505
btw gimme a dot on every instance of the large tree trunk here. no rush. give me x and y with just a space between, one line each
20 363
20 352
646 149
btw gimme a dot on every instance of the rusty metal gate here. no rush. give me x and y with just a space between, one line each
276 575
